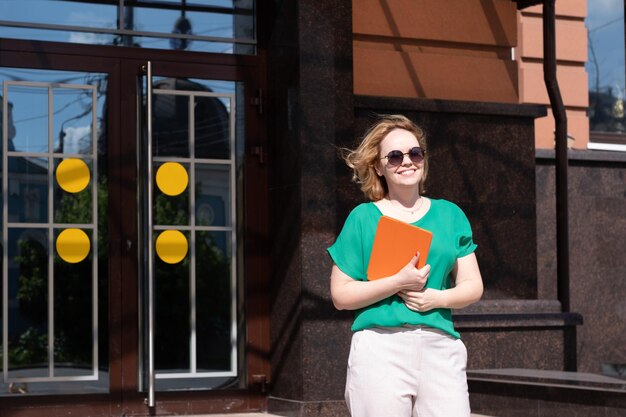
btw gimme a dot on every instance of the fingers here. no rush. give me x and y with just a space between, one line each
414 259
420 301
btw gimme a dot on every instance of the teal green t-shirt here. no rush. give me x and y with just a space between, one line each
452 239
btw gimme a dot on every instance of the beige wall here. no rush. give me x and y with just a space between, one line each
453 49
474 50
571 43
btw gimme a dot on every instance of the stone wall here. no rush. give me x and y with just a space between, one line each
597 218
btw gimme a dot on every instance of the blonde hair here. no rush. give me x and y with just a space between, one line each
364 158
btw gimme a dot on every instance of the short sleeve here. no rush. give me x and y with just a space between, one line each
347 251
464 241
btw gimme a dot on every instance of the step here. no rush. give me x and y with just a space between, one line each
274 415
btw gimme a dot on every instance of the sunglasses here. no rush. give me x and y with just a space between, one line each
395 157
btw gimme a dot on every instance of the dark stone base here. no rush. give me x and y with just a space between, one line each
291 408
518 393
519 334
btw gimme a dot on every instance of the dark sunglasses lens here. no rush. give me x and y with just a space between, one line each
416 154
395 158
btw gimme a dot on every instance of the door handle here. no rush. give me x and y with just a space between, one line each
147 158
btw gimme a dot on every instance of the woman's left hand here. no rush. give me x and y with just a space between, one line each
423 300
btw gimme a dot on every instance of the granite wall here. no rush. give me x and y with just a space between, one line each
310 108
597 221
597 218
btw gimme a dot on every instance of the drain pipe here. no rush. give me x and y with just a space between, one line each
560 122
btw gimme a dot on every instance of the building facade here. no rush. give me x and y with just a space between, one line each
171 181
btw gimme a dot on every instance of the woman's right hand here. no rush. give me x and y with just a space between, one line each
351 294
412 278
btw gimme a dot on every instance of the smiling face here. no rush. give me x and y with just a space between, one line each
408 174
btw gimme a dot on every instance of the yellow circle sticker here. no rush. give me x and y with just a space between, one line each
171 246
73 175
73 245
172 178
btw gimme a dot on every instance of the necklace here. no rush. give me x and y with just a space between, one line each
411 211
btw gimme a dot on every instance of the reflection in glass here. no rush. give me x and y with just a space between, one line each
213 195
199 84
171 210
73 318
28 189
30 118
99 24
172 313
605 66
195 336
31 263
214 306
72 124
212 131
73 208
28 302
170 128
63 12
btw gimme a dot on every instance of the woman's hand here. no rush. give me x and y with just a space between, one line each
350 294
467 290
424 300
411 278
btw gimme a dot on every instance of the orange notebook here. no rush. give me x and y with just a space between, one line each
395 244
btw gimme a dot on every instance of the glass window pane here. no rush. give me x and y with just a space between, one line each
212 127
214 295
168 209
28 302
222 19
213 195
605 66
74 207
212 86
28 179
73 316
28 189
193 45
73 120
193 22
59 12
30 118
172 315
170 128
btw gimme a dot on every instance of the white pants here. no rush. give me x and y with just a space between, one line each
410 371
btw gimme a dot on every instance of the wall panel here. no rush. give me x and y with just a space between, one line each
455 50
401 74
466 21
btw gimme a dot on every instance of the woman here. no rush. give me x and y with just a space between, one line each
406 359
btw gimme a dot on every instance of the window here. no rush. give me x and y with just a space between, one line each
219 26
606 71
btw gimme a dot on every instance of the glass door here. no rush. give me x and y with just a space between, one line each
191 166
134 213
54 211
